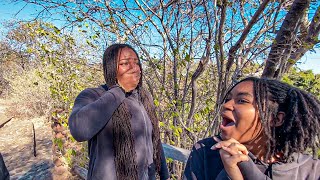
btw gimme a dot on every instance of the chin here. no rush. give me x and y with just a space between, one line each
224 136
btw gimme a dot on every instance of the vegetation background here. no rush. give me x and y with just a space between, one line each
191 50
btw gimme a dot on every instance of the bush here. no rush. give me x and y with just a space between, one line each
30 94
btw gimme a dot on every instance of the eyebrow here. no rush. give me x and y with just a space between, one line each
244 94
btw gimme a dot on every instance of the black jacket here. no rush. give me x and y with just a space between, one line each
206 164
90 121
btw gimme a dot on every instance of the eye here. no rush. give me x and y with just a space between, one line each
243 101
124 63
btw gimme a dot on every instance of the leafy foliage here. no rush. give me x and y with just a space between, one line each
305 80
191 51
55 69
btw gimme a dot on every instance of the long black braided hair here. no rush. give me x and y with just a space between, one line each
301 126
123 141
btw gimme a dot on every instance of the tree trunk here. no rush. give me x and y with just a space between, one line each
281 48
305 43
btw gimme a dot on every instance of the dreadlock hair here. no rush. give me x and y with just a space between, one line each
300 129
123 141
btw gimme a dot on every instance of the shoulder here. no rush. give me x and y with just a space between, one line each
302 167
300 161
205 143
203 162
308 167
305 160
204 147
92 92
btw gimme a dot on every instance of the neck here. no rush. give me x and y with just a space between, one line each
273 159
258 147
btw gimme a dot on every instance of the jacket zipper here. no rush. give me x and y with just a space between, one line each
147 139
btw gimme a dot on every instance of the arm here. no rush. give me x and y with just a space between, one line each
250 171
231 153
91 113
236 161
164 173
230 158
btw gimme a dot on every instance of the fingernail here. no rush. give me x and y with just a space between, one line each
216 139
216 146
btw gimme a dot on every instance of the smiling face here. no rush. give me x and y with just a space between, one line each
240 117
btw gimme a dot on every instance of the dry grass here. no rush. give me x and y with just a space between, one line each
29 94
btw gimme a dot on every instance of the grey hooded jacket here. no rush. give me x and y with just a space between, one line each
90 121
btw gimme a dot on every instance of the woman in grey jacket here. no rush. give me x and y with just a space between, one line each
119 122
267 127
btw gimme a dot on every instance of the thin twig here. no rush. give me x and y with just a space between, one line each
34 141
6 122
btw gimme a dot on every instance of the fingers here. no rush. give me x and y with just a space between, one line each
232 157
239 148
129 81
232 154
234 145
231 140
217 145
233 150
216 139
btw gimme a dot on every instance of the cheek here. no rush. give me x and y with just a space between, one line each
249 112
121 70
246 118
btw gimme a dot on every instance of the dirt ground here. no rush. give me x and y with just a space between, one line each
26 146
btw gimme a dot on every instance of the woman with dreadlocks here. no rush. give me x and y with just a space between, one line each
119 122
267 129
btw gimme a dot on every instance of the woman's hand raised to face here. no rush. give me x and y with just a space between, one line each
231 153
129 72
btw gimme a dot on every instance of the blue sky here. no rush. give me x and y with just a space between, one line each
310 61
8 12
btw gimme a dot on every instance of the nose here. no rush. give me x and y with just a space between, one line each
228 105
134 66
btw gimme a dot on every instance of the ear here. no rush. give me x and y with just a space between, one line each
278 121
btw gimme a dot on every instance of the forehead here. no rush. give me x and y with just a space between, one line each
127 52
243 87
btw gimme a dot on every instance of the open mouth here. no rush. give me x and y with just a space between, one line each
227 122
